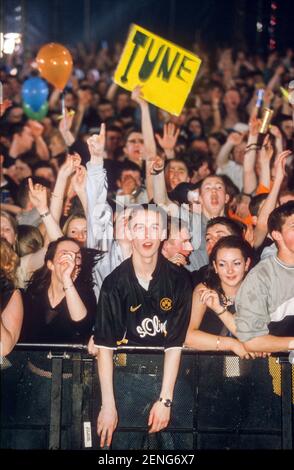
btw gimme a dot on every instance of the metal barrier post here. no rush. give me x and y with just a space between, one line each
87 412
77 397
56 400
287 431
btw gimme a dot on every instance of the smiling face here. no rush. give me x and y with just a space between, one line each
146 232
213 196
231 267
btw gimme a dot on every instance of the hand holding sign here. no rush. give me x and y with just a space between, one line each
137 95
166 70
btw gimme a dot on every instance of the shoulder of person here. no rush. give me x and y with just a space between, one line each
179 273
119 273
261 277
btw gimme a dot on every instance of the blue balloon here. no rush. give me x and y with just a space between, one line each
35 93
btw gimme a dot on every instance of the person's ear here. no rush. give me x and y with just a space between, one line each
163 234
163 251
276 236
118 183
227 198
50 265
247 264
215 268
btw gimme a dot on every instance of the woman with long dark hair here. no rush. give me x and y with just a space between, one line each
59 301
212 324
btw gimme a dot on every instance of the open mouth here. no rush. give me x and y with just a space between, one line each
147 245
214 202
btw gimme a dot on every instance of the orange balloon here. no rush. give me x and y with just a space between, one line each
54 63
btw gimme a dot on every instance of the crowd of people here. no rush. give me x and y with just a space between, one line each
124 225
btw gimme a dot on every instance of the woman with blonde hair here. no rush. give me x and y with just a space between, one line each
11 305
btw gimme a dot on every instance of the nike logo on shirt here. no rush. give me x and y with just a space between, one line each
134 309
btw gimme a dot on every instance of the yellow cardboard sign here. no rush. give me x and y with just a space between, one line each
165 71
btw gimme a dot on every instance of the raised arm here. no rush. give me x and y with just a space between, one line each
276 78
148 136
41 146
265 156
270 203
65 126
249 175
54 99
76 307
111 92
223 157
38 197
78 182
65 171
275 131
84 102
217 119
99 213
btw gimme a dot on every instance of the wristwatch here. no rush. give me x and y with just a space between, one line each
166 402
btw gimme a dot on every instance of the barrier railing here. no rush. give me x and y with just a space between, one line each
51 398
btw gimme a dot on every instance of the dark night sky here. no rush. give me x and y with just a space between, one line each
219 22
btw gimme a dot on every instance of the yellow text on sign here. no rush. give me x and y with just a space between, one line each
165 71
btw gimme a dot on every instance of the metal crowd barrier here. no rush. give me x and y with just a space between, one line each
220 402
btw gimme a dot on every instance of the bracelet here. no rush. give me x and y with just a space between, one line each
69 287
253 145
217 343
220 313
156 172
45 214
